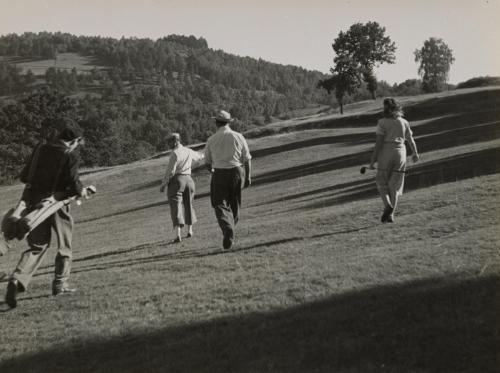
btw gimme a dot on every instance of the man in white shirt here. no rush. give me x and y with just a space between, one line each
181 188
228 158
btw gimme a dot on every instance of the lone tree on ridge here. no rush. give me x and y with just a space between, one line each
435 59
367 46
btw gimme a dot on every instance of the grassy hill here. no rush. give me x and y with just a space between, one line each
314 283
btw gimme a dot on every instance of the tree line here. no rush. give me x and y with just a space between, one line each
141 91
365 46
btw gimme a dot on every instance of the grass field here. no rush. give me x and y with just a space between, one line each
64 61
314 282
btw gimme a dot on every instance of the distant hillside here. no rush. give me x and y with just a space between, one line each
129 94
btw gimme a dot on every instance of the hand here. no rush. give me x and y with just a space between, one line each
248 182
85 194
162 189
415 158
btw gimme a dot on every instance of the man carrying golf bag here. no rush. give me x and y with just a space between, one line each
51 176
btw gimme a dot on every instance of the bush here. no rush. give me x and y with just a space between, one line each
481 81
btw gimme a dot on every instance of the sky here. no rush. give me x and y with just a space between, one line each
295 32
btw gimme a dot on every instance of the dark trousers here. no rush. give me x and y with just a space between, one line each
180 194
225 196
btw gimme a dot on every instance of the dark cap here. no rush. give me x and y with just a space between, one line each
69 134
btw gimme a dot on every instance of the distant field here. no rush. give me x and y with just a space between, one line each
63 61
315 283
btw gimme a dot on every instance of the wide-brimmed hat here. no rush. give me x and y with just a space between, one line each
223 116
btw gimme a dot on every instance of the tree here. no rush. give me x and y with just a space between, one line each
435 59
367 46
345 80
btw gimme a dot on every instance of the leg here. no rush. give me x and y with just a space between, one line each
235 192
188 201
396 180
38 241
177 230
174 193
219 195
383 189
63 227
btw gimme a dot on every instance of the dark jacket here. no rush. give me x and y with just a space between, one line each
54 171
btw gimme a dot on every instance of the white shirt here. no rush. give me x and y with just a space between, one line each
226 149
180 162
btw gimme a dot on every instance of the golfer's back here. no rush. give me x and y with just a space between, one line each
227 149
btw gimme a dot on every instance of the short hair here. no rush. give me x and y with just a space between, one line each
392 109
174 137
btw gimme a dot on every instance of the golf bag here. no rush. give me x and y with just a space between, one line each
19 221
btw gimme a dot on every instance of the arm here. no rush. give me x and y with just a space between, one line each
25 173
411 142
415 157
248 171
169 171
208 158
74 179
378 145
197 158
247 162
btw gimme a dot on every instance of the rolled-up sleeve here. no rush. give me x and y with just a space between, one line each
245 154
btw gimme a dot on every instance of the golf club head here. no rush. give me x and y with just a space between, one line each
91 189
362 170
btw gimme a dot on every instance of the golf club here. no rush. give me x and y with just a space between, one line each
364 168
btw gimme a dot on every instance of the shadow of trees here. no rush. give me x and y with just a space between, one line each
458 167
434 325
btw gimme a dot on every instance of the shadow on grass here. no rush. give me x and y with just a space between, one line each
462 125
459 167
80 266
478 102
443 132
443 170
135 209
432 325
442 140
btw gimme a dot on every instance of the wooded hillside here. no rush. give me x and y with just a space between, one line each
129 94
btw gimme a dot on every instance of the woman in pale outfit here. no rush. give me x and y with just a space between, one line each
180 186
390 155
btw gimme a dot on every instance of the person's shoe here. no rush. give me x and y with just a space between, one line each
390 219
11 295
177 240
189 235
387 212
227 241
56 290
